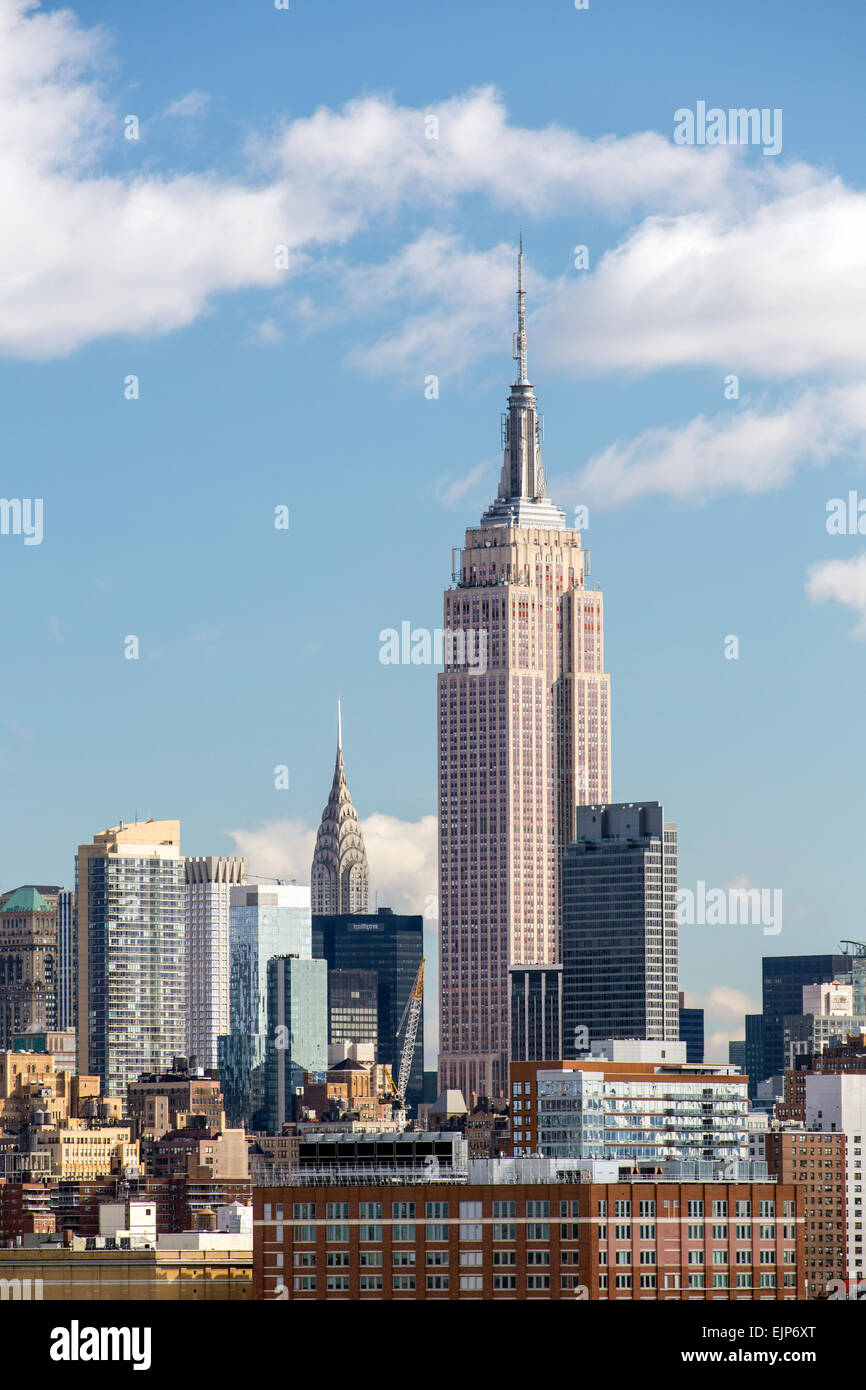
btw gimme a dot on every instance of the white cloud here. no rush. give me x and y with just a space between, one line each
401 854
776 289
725 1009
188 106
85 253
742 449
451 491
843 581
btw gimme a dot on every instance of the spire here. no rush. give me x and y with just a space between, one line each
522 498
340 874
520 337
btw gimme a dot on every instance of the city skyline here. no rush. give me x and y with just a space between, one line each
236 416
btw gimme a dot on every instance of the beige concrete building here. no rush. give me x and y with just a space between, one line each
131 1275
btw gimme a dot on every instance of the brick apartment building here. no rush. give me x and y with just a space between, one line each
816 1163
502 1240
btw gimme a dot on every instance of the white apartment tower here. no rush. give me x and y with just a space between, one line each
208 884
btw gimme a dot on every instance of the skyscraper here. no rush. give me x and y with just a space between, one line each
297 1032
131 967
264 921
28 965
524 738
391 945
208 886
619 928
340 876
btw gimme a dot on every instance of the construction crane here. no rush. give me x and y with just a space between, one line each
412 1013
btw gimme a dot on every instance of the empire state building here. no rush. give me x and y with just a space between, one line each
524 738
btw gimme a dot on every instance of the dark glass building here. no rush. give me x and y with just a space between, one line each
535 992
692 1032
619 927
353 1007
783 981
391 945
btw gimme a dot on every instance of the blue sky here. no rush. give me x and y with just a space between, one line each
261 387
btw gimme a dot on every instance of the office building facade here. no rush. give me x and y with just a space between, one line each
536 1012
353 1007
619 927
264 921
297 1040
391 945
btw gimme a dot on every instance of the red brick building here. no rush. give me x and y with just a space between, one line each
641 1240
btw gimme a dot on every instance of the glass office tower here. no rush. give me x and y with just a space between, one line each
264 921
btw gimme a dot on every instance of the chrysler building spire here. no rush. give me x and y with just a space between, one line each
340 878
522 498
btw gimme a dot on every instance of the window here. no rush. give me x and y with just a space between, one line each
720 1208
401 1282
401 1258
537 1208
438 1281
744 1208
623 1232
436 1210
437 1257
402 1233
370 1282
468 1258
505 1281
336 1211
470 1230
501 1209
623 1281
538 1257
304 1283
744 1281
338 1234
373 1233
403 1211
648 1232
767 1281
648 1208
647 1281
720 1257
696 1208
720 1281
744 1232
305 1211
368 1258
696 1257
437 1232
622 1208
696 1232
538 1281
720 1233
337 1259
471 1281
504 1231
305 1233
370 1211
338 1282
537 1230
470 1210
768 1208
